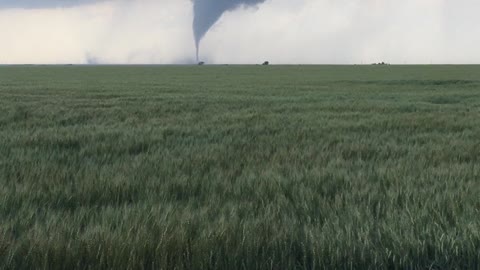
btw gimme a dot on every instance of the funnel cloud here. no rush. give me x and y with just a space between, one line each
207 13
281 31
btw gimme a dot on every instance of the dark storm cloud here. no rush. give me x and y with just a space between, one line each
207 12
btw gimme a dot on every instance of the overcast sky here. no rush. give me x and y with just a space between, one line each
281 31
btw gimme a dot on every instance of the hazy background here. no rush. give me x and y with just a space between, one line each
281 31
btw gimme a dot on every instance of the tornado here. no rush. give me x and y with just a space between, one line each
207 12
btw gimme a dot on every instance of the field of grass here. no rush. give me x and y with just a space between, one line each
240 167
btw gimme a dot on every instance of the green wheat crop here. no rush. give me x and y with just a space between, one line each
240 167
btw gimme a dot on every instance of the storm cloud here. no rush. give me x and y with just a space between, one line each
281 31
33 4
207 12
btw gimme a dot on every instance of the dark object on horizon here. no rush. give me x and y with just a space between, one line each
266 63
201 63
381 64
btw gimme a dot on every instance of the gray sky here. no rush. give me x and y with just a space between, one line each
281 31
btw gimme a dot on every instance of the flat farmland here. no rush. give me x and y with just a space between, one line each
239 167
